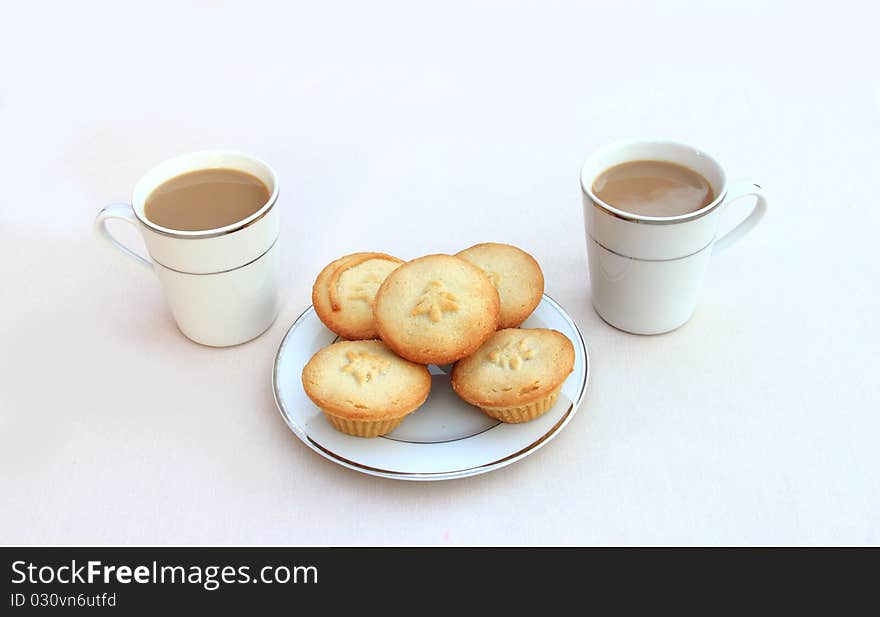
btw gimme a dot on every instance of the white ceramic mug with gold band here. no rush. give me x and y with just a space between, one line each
646 272
221 284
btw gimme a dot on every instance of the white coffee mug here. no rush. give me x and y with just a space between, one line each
646 272
221 284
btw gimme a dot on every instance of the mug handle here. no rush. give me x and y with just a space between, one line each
738 191
122 212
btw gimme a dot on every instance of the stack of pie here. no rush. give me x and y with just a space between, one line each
397 317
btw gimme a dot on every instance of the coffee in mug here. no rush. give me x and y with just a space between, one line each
206 199
653 188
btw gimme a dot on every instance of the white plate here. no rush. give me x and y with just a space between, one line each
445 438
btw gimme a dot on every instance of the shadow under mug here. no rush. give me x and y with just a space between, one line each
646 272
221 284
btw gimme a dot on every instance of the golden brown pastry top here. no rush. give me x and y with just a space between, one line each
364 380
436 309
514 367
515 274
344 291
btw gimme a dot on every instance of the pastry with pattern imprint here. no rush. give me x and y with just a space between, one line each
515 274
363 388
436 309
517 374
344 291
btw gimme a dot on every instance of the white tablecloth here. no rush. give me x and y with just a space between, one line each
413 128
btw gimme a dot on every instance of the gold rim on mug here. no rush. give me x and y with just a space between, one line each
655 220
220 231
244 265
699 250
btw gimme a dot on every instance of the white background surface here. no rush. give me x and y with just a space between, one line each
414 129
